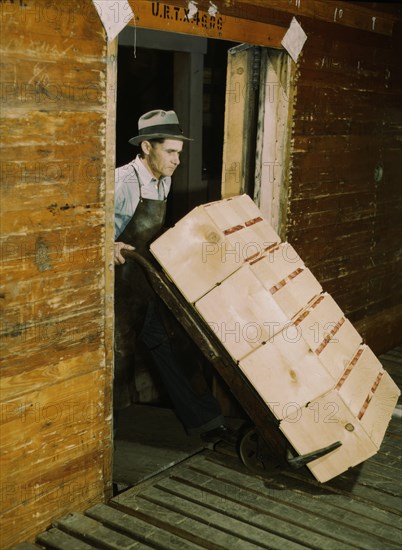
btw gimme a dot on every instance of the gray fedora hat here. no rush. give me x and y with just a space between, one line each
158 124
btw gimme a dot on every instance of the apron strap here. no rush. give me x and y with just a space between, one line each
139 185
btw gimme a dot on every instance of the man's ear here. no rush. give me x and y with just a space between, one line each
145 147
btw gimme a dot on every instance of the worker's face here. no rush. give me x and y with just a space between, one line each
163 158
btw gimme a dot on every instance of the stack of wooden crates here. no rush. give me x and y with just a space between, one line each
289 338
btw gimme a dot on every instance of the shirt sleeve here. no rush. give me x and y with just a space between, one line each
126 197
119 218
120 207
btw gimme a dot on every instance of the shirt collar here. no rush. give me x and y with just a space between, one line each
145 176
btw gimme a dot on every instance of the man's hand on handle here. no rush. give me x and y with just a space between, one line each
118 247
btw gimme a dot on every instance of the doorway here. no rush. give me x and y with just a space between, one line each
187 74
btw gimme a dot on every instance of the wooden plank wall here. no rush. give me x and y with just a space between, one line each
56 287
343 217
345 203
56 218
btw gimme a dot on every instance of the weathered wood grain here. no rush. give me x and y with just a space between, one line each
53 20
31 422
254 507
96 533
347 89
176 18
64 127
348 77
64 250
62 541
360 509
22 519
240 106
351 516
51 84
38 374
343 14
138 529
55 395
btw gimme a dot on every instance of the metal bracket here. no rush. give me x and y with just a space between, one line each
301 460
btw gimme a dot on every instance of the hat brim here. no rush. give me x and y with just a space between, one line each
147 137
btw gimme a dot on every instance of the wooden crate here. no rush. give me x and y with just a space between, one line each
329 334
289 339
324 421
284 275
211 243
287 373
329 419
257 301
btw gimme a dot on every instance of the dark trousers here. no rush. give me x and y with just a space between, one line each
198 412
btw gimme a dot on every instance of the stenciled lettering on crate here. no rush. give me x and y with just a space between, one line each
286 335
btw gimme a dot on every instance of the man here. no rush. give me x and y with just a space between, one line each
142 187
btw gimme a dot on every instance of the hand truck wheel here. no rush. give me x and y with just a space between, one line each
254 453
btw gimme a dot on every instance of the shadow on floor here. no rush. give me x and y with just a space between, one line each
149 439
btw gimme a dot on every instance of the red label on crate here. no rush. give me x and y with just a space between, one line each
253 221
282 283
329 337
349 369
235 228
370 396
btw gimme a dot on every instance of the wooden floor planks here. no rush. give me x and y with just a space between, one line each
211 501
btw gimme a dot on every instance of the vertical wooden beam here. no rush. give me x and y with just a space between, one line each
237 177
273 136
189 189
110 163
56 217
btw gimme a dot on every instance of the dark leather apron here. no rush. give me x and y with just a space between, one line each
133 293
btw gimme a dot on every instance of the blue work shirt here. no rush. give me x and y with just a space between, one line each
127 191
